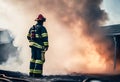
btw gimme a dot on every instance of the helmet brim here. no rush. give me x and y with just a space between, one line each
44 19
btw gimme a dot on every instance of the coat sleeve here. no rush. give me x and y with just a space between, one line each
44 35
28 35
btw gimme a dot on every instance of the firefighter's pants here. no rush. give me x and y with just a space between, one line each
36 63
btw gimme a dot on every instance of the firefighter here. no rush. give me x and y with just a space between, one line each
38 39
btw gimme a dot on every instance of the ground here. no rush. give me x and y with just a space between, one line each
10 76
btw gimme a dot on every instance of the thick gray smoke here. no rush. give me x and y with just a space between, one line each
73 11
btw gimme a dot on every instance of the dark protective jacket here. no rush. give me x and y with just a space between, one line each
38 37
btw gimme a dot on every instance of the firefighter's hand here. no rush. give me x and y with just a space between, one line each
46 48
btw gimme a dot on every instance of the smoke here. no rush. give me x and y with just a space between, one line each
6 46
77 44
85 18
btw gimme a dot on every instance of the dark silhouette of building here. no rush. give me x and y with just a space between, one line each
113 32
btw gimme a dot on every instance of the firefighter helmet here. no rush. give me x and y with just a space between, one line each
40 18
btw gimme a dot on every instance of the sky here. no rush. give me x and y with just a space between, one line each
112 7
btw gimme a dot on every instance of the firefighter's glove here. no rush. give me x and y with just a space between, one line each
46 48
